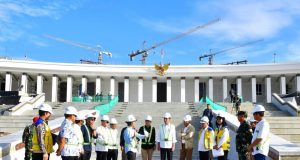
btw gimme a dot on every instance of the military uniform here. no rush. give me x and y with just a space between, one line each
27 140
243 140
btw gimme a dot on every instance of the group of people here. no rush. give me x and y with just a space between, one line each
78 134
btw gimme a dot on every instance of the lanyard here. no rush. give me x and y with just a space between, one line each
163 129
149 138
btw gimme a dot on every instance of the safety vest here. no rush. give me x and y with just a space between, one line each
208 139
219 133
165 135
48 141
89 136
147 140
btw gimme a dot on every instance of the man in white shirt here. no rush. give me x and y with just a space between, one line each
102 140
206 139
130 138
113 141
261 139
166 138
78 123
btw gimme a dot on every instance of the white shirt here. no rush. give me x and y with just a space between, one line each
113 139
130 135
201 141
79 135
223 138
102 140
166 132
71 147
262 130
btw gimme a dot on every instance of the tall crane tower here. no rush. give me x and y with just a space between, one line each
77 44
211 55
144 52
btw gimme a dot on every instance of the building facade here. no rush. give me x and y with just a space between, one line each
135 83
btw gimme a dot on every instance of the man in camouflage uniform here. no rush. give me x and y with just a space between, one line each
27 138
243 135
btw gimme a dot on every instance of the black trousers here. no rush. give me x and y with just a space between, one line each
38 156
223 157
204 155
101 155
166 153
69 157
112 154
131 155
86 156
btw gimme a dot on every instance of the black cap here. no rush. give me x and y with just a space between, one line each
242 113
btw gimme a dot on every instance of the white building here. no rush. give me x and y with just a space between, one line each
133 83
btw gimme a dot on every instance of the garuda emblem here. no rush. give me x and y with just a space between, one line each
161 69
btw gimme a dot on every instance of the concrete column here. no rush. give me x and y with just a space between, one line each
24 83
297 79
39 84
140 89
196 89
268 89
126 89
8 82
253 89
112 86
224 82
239 86
282 85
154 89
98 85
69 88
182 90
169 90
211 88
84 84
54 88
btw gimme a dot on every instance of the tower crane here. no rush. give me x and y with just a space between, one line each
77 44
144 52
211 55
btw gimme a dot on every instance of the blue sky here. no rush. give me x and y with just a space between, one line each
122 26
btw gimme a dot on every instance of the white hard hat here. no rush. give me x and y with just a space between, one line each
105 118
148 118
187 118
113 121
258 108
130 118
80 116
252 120
46 107
71 110
204 119
167 115
91 115
221 115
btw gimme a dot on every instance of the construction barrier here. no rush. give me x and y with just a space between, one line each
105 108
214 106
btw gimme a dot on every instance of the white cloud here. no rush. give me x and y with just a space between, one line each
13 12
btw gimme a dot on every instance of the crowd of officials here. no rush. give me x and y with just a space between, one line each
78 135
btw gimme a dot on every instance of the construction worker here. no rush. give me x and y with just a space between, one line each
243 136
205 139
102 140
42 141
261 139
68 146
187 138
130 137
148 144
78 123
166 138
208 113
222 139
88 131
27 138
113 140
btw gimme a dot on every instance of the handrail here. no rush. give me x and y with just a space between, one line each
30 102
282 102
